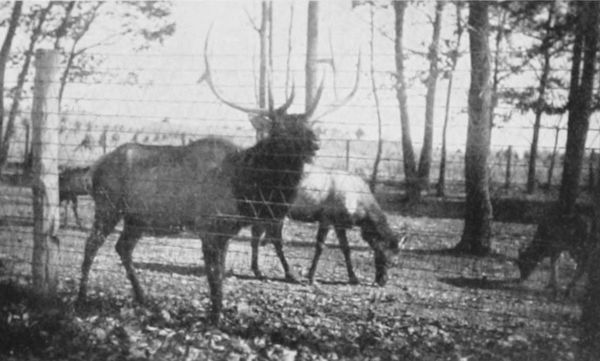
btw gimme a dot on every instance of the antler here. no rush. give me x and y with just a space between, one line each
316 99
258 111
335 106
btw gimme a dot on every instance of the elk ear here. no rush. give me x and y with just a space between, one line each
261 124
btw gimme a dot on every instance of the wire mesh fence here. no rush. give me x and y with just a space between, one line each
427 285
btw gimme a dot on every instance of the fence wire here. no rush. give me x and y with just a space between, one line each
422 277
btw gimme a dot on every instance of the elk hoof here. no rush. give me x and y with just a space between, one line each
259 275
353 281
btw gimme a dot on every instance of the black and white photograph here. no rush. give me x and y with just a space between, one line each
249 180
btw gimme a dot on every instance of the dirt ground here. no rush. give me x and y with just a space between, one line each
435 306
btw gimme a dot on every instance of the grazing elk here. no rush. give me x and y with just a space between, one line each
341 200
72 183
210 186
555 234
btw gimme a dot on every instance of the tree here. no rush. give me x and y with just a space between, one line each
70 22
4 56
40 15
312 52
265 35
539 107
580 100
410 168
478 209
373 181
552 31
426 150
453 57
139 24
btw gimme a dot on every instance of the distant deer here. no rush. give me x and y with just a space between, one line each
557 233
211 187
339 200
72 183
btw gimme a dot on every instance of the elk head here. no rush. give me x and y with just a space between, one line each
265 121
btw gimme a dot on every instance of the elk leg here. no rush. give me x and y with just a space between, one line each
321 235
257 231
552 284
274 232
124 247
74 206
214 248
103 225
343 240
579 271
66 214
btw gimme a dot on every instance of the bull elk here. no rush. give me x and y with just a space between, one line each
211 187
338 200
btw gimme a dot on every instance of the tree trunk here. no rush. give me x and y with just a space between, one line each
312 52
373 181
580 98
553 157
263 33
496 74
45 119
413 192
14 108
4 55
425 159
539 109
441 184
478 215
289 50
589 337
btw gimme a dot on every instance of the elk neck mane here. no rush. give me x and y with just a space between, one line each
267 174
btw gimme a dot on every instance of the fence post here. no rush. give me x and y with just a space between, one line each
591 180
45 142
508 167
347 154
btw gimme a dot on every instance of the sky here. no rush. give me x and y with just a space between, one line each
343 32
170 99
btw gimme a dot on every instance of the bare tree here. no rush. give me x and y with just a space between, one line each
312 51
4 54
539 108
265 66
408 154
478 208
454 55
425 159
373 181
17 91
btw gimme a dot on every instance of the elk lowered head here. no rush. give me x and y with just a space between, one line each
385 243
530 256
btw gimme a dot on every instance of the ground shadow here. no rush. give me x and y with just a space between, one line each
482 283
192 270
452 252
